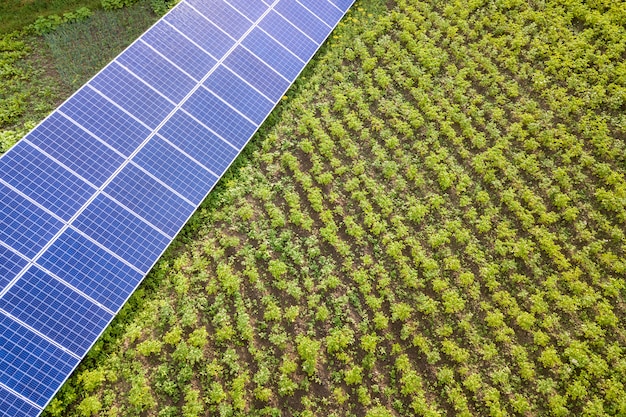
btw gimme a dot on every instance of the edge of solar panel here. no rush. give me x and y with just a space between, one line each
4 390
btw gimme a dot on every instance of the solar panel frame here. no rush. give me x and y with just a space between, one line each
137 131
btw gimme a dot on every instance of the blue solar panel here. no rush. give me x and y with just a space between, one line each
175 169
252 9
239 94
55 310
157 72
219 117
190 136
30 365
121 232
257 73
24 226
76 149
10 265
274 54
93 195
289 35
200 30
45 181
223 16
142 194
11 405
180 50
343 5
325 10
105 120
91 269
303 19
132 95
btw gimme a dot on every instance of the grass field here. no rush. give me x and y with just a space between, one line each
431 223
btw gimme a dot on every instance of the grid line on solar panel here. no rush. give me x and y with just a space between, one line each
11 264
193 24
173 168
257 73
159 53
235 109
129 237
124 88
157 179
14 404
45 181
313 13
240 94
30 364
74 148
55 310
24 225
219 117
31 329
146 83
304 19
342 5
325 11
173 145
74 289
148 199
189 134
289 35
179 49
281 44
273 54
89 268
253 9
61 164
105 119
224 16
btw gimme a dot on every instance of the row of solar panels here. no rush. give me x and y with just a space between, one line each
93 195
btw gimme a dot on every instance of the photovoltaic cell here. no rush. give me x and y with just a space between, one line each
45 181
288 35
10 265
273 54
219 117
156 71
324 10
194 139
200 30
257 73
91 269
175 169
30 365
142 194
303 19
105 120
76 149
24 226
252 9
223 15
55 310
181 51
132 95
121 232
343 4
12 405
239 94
95 193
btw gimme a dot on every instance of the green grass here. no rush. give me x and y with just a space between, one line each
16 14
80 49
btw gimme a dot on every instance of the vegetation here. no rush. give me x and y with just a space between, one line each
431 223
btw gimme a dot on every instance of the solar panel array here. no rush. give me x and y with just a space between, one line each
93 195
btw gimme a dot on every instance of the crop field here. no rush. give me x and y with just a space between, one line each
431 223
